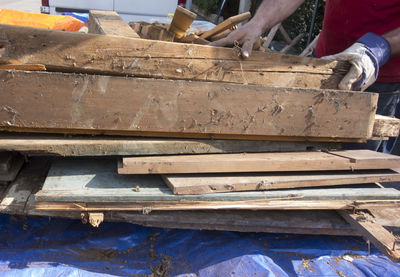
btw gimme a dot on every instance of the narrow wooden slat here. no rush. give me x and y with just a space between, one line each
212 183
207 205
158 59
374 232
259 162
149 107
245 162
367 159
109 23
117 146
289 222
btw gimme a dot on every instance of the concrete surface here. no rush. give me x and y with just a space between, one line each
22 5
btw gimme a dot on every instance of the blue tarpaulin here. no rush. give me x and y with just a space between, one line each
45 246
84 17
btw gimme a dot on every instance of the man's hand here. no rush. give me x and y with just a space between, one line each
366 56
245 36
268 14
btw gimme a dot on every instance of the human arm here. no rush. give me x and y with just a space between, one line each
393 37
269 13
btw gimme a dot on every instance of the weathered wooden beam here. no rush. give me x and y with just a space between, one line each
116 146
212 183
92 53
109 23
386 126
72 103
259 162
374 232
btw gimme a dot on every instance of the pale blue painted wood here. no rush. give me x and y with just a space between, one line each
97 180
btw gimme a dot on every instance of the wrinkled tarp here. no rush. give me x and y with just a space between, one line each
41 246
84 17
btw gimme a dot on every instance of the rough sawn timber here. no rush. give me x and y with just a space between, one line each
212 183
37 144
109 23
147 207
259 162
386 126
93 104
116 55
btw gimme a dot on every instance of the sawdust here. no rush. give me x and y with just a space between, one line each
338 272
162 269
151 239
306 264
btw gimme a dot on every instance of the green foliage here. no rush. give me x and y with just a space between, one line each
209 6
297 23
300 21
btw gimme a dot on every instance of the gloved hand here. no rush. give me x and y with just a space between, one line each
366 56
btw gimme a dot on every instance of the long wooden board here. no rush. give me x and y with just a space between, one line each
147 207
157 59
259 162
212 183
148 107
288 222
36 144
368 159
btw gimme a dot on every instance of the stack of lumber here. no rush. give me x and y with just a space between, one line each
116 127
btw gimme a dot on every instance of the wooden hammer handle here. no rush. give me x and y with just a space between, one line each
226 24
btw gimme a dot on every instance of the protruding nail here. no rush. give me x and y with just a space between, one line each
245 54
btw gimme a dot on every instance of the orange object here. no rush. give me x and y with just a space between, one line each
38 20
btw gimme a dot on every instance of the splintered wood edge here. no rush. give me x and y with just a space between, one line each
374 232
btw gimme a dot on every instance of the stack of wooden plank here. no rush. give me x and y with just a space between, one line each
191 136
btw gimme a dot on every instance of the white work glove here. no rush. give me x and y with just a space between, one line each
365 56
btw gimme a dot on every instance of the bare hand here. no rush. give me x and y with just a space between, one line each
245 36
